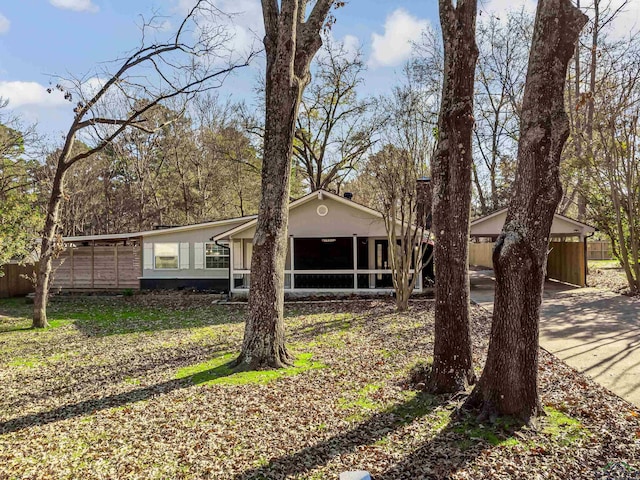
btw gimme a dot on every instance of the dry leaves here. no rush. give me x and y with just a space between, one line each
97 398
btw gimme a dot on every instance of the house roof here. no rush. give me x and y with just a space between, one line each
490 225
163 231
237 225
318 194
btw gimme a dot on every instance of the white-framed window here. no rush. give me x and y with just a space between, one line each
216 256
166 256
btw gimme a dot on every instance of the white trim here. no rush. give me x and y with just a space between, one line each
152 233
585 227
291 257
147 256
355 262
184 257
198 256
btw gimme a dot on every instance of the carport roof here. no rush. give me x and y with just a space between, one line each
491 226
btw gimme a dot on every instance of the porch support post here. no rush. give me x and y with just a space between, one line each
292 281
231 262
355 261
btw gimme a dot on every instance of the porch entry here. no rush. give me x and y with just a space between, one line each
383 263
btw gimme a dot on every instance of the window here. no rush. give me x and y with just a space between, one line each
216 256
166 256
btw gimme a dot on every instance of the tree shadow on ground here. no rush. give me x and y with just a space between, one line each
91 406
451 447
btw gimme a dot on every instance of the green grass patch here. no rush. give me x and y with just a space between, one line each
562 428
218 371
498 434
361 399
603 264
25 362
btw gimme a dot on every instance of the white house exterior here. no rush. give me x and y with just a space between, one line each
335 245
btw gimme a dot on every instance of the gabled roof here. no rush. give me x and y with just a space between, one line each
583 227
318 194
151 233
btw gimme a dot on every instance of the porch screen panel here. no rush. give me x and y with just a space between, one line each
331 253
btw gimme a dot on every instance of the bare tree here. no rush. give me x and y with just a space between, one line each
335 128
394 173
613 187
503 44
291 41
509 385
587 85
156 72
451 169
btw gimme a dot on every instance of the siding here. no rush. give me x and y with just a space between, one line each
191 237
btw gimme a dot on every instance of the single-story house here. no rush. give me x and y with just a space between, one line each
335 245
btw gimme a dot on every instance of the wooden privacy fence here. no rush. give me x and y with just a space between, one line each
100 267
599 250
566 262
13 283
481 254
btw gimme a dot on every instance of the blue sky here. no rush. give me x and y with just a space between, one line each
44 38
41 39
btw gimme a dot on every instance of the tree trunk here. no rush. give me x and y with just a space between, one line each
509 382
264 339
290 45
47 250
451 169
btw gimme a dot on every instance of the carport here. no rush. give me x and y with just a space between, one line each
567 260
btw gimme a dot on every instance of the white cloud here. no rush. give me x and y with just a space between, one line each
394 46
351 44
5 24
21 94
75 5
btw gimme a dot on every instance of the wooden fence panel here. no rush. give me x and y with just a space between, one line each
99 267
599 250
481 254
566 262
129 266
12 283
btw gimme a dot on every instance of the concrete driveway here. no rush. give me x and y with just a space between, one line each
595 331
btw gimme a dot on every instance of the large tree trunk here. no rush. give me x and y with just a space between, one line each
290 44
509 382
264 339
47 250
451 169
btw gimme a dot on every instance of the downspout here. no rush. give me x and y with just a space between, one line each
229 267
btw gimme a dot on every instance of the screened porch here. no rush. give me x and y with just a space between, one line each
332 264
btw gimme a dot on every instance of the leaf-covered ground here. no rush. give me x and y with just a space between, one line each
139 387
607 275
